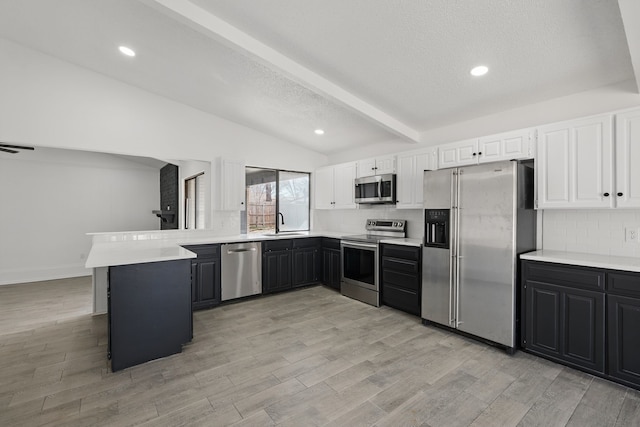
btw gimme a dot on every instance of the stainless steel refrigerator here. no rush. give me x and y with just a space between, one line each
478 219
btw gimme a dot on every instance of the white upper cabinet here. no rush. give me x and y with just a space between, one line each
229 184
458 154
410 172
519 144
343 186
504 146
627 192
574 164
366 167
385 164
377 166
323 183
334 187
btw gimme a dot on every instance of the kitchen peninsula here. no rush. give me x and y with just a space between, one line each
143 281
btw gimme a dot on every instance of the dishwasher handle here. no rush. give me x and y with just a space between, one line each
232 251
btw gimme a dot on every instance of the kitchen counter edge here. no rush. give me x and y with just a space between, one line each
126 252
609 262
403 242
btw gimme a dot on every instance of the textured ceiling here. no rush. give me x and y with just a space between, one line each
413 58
365 71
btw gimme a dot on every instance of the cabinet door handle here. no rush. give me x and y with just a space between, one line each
479 153
474 154
619 194
606 194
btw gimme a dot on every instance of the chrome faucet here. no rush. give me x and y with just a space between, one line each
281 217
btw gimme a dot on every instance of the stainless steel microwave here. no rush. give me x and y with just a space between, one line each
376 189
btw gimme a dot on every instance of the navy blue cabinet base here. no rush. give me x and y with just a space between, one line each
401 277
149 311
205 276
584 317
331 262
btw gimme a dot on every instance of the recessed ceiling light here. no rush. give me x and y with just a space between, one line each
319 132
126 51
480 70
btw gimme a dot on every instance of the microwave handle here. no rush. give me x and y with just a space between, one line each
380 189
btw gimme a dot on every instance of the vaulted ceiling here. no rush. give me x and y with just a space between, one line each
365 71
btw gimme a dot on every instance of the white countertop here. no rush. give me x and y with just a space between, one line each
404 242
140 247
586 260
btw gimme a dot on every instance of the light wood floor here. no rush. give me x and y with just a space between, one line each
304 358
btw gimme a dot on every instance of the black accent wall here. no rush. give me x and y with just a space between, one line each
169 195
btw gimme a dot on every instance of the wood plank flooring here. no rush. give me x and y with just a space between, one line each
304 358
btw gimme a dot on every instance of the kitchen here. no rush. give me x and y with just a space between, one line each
67 92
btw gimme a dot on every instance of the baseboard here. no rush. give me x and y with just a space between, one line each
9 277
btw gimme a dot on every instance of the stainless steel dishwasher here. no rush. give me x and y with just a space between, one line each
241 270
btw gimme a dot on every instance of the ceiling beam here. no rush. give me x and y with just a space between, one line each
219 30
630 12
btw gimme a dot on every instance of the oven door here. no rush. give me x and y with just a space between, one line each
360 264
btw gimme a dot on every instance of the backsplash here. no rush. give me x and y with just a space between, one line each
590 231
352 221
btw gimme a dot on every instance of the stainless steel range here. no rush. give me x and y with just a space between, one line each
360 269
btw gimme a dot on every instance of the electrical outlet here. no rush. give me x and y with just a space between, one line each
631 235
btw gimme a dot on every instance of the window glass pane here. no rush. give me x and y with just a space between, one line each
261 200
293 201
276 201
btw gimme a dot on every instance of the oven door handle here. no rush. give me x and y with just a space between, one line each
359 245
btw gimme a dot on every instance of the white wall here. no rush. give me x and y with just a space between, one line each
352 221
47 102
51 198
601 100
51 103
589 230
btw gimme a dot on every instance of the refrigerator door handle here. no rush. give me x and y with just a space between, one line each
453 238
457 249
457 291
452 296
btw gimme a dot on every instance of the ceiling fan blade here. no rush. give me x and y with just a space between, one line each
17 147
6 150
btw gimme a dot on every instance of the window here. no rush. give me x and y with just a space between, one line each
194 202
277 201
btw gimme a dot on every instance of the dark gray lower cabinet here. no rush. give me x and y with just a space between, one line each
290 263
149 312
623 317
276 265
331 262
566 324
583 317
305 261
401 277
205 276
